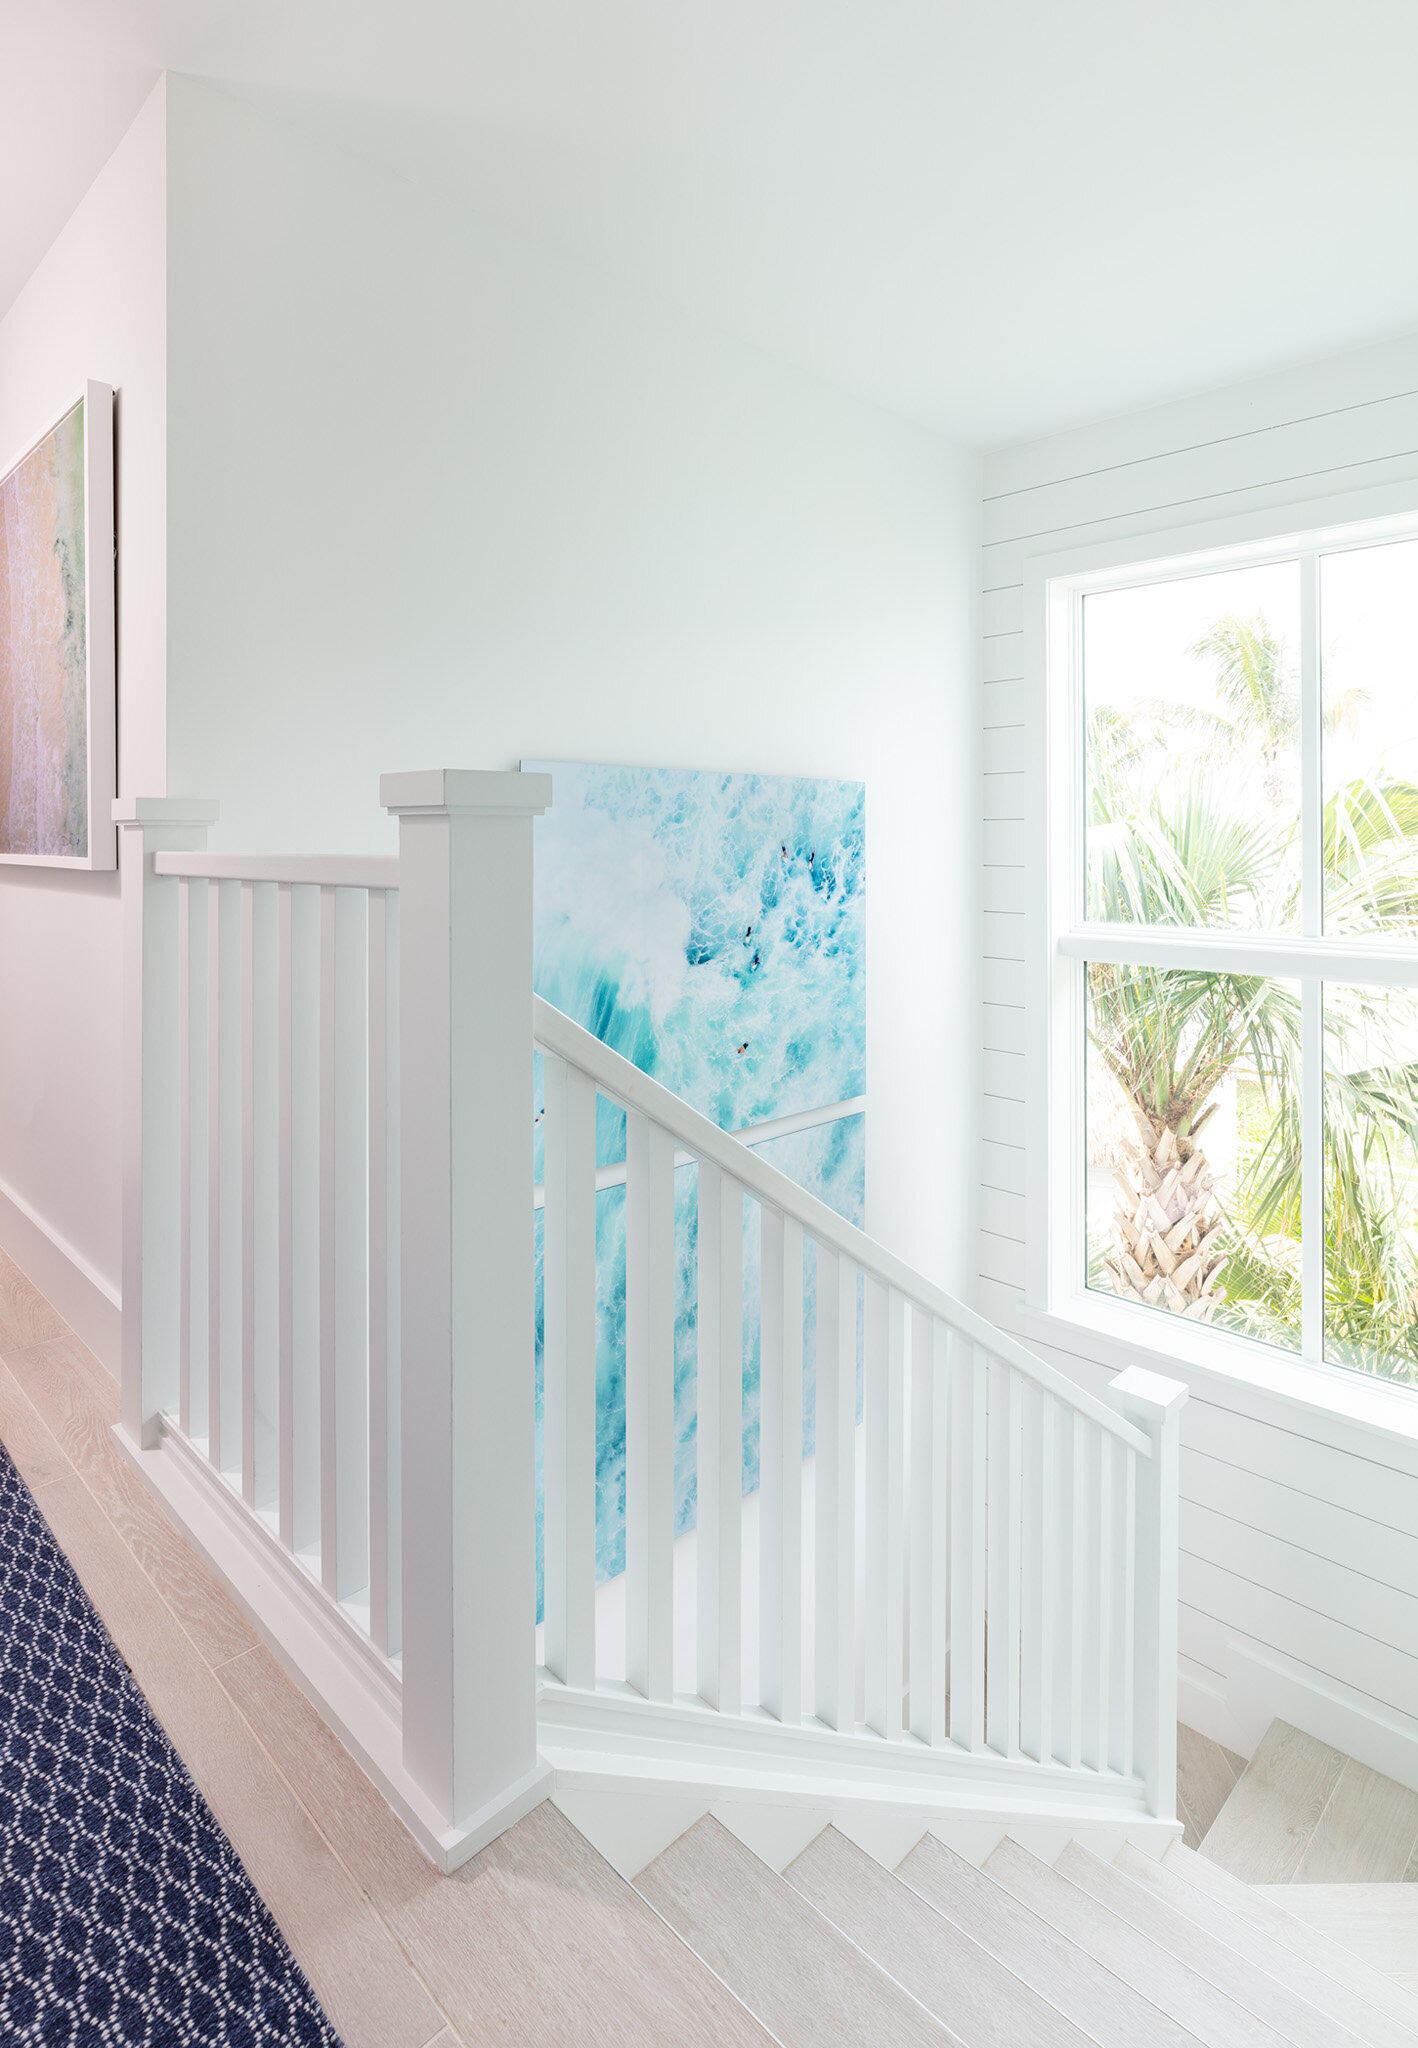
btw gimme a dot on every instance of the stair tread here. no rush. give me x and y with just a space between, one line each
1240 1934
1263 1829
976 1994
1304 1974
811 1986
1379 1922
1111 2012
1250 1984
1213 2017
1258 1905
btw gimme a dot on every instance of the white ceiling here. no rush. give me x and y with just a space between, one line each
1001 217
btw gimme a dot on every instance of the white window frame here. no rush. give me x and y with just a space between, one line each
1058 1307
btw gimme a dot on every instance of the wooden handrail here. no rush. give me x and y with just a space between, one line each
556 1033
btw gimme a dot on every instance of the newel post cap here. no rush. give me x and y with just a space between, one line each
465 793
1143 1394
165 810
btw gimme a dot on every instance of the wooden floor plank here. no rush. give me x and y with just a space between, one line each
1348 1998
33 1446
812 1985
1109 2011
961 1982
25 1315
342 1945
536 1939
1263 1829
1196 2005
79 1402
1366 1834
1206 1777
1258 1904
1379 1922
1268 1997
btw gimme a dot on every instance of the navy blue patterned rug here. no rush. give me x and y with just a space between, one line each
126 1917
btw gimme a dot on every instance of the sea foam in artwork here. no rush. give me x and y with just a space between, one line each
710 928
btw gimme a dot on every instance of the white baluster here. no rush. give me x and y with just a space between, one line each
884 1395
968 1533
649 1406
1107 1564
307 1212
569 1375
377 948
835 1490
352 1241
393 1282
719 1551
780 1501
1125 1613
930 1530
1002 1594
265 1196
1037 1592
1077 1518
246 901
329 1172
285 1223
1154 1405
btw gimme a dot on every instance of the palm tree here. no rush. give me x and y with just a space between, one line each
1169 845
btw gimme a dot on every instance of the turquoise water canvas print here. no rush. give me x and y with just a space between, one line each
711 928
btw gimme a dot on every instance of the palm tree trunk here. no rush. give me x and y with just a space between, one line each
1167 1225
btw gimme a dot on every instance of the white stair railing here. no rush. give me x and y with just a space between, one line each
328 1375
1010 1538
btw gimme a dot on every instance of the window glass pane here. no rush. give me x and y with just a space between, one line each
1192 760
1193 1145
1371 1180
1369 655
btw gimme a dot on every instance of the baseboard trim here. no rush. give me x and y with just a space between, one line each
354 1689
76 1290
1263 1687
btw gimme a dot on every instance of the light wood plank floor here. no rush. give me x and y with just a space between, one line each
1303 1813
1207 1775
536 1940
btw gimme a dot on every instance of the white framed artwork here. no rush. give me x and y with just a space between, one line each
57 676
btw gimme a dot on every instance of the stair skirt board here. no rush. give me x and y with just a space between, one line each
354 1689
632 1822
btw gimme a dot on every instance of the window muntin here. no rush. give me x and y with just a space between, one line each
1248 804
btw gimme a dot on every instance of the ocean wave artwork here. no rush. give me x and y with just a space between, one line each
711 928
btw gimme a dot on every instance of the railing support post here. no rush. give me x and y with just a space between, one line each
465 1033
1154 1405
151 1126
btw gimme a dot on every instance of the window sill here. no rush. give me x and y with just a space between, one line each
1117 1334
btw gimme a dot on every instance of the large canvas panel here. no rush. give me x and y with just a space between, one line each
711 928
44 766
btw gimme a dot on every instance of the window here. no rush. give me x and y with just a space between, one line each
1233 946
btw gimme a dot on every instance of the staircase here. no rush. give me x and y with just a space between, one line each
364 1238
825 1944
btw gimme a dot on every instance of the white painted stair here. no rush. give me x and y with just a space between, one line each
833 1947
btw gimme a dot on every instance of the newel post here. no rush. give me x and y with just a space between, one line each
1154 1405
465 1002
150 1112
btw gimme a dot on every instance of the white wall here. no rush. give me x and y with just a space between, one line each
94 308
440 498
1300 1533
